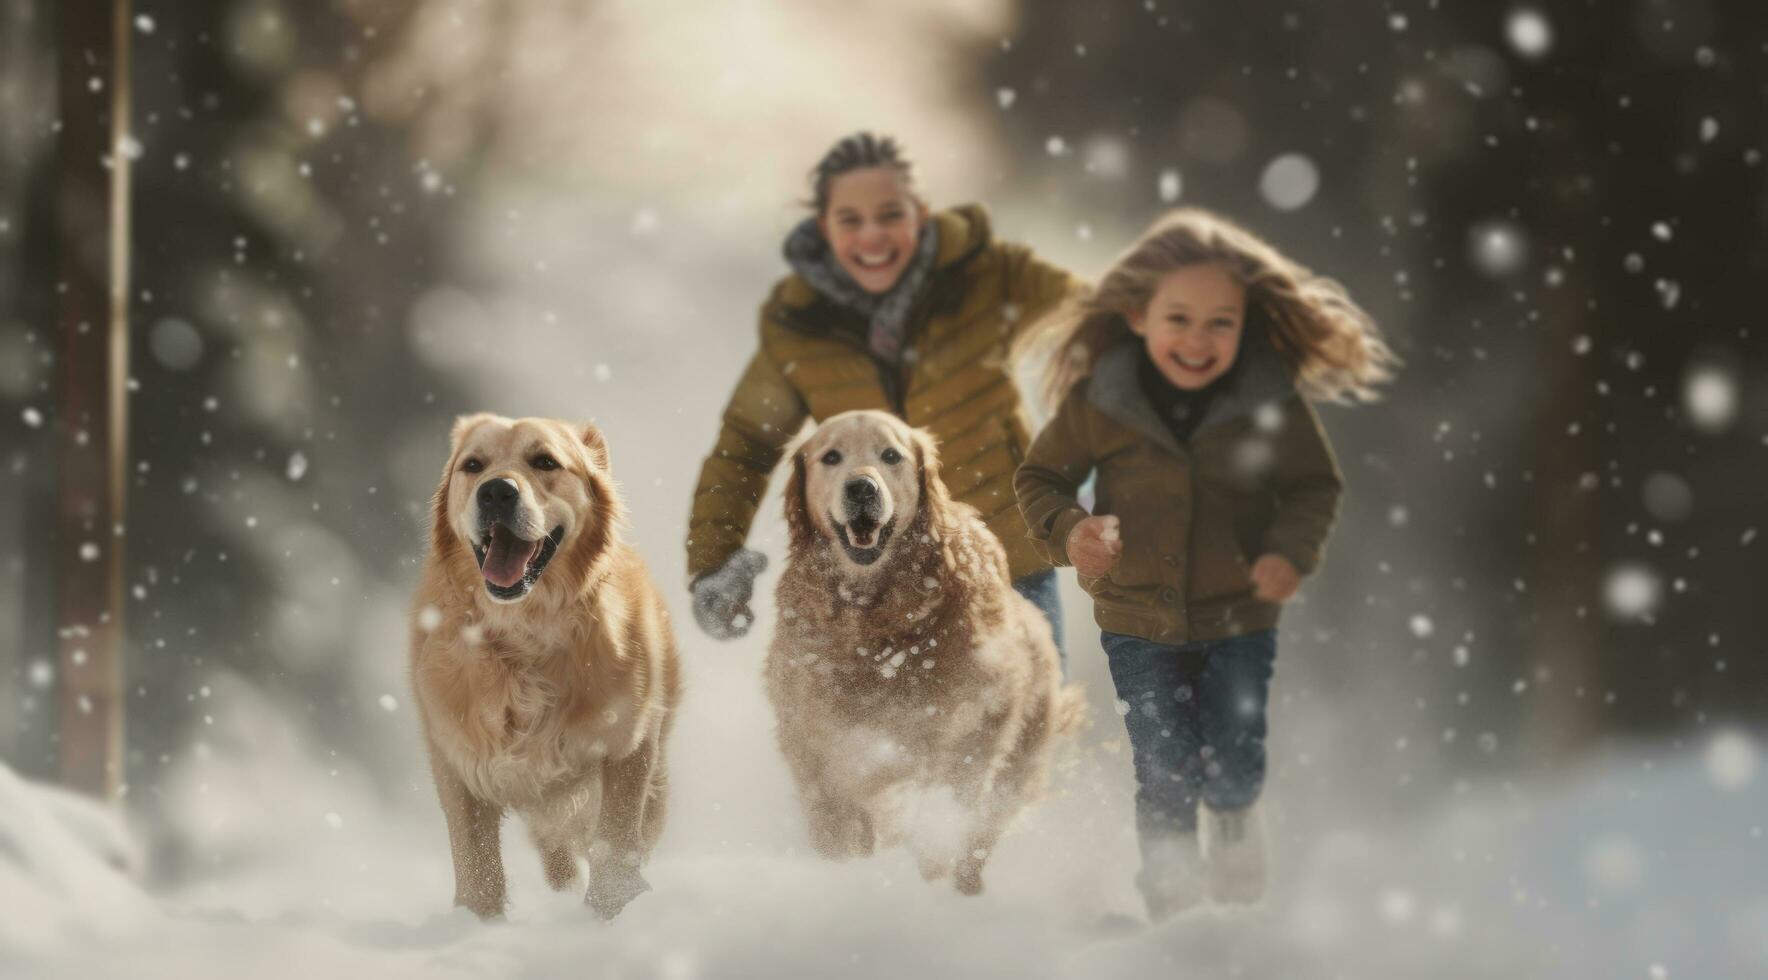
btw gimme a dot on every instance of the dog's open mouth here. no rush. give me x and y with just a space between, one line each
863 538
511 565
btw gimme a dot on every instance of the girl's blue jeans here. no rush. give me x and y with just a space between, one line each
1196 720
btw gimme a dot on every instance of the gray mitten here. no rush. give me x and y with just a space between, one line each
721 597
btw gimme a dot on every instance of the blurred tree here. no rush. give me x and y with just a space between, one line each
27 303
284 232
1666 98
93 153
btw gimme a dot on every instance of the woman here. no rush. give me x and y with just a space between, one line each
889 306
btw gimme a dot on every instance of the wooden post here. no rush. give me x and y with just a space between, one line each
1566 637
92 366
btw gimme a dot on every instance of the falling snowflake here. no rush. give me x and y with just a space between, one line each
1289 182
297 465
1709 395
1669 292
176 344
1498 247
1731 760
1529 32
1107 157
1632 591
1169 186
1667 497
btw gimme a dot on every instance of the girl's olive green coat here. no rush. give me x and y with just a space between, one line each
954 381
1256 477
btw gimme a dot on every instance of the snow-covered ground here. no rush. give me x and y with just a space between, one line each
1639 864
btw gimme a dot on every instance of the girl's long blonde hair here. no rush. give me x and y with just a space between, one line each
1330 345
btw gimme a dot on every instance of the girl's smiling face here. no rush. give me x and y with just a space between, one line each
872 224
1193 323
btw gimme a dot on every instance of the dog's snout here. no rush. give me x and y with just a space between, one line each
498 496
862 490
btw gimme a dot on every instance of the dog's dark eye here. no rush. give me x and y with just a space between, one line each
832 457
890 456
473 466
544 462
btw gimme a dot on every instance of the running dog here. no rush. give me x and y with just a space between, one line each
544 665
903 664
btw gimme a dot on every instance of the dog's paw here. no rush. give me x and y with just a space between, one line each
967 878
611 889
933 868
489 908
561 870
840 833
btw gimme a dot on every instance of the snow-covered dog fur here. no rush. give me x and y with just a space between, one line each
544 665
904 664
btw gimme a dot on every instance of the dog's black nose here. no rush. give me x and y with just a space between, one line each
498 496
862 490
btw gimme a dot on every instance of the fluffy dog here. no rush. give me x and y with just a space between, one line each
545 669
903 661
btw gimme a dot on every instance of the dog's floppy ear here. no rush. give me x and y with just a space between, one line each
441 538
936 500
594 444
799 529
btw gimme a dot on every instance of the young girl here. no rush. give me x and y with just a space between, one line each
1182 386
889 306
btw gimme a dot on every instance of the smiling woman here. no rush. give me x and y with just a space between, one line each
889 306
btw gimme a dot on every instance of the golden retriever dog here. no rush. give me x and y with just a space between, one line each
544 665
905 671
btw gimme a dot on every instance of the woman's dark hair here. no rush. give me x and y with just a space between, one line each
856 152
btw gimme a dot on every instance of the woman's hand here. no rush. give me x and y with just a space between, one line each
1094 546
1274 579
721 597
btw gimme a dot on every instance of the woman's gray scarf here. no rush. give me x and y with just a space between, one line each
808 254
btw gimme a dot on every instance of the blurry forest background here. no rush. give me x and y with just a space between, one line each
354 220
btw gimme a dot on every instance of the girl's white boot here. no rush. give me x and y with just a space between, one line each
1234 851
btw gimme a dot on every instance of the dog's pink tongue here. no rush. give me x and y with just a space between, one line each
507 558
